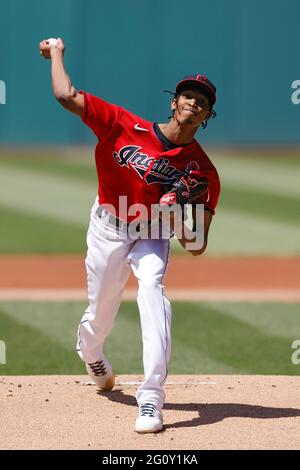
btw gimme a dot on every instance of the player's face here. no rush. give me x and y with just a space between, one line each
191 107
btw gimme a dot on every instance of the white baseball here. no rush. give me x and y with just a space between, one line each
52 42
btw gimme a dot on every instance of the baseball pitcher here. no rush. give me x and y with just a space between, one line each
144 165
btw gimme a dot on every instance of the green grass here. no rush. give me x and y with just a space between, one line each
257 204
24 233
68 164
278 175
208 338
45 199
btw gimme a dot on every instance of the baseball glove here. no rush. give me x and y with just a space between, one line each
185 190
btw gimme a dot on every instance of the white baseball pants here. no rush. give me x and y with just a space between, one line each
110 258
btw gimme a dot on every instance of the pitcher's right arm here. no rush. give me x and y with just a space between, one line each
62 86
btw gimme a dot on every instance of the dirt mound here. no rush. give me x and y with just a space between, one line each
201 412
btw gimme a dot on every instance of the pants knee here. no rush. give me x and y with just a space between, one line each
150 285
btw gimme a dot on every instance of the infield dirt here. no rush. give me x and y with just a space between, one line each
201 412
62 277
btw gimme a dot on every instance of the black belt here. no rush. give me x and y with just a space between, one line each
118 223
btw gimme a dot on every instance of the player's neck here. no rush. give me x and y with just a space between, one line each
178 135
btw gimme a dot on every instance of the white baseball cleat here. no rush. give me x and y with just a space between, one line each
102 374
149 420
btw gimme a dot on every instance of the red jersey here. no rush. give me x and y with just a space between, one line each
131 160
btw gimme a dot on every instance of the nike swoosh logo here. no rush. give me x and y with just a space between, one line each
139 128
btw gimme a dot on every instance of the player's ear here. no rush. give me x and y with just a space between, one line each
174 103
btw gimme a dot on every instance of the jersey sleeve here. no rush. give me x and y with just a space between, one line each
211 197
214 189
99 115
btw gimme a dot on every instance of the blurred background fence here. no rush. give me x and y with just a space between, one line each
128 51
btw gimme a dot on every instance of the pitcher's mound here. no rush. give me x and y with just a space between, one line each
201 412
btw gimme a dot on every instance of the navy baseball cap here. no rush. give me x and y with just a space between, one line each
201 82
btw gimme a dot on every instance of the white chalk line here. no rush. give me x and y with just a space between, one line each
134 382
221 295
